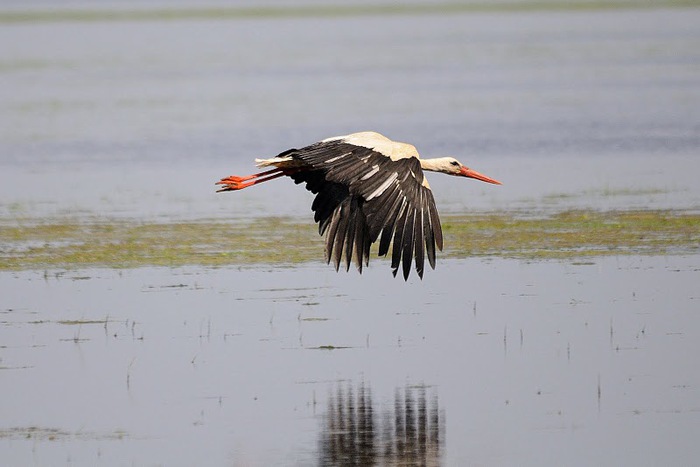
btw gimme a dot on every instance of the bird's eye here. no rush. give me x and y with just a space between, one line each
455 163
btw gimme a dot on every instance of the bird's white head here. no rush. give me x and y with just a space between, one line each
451 166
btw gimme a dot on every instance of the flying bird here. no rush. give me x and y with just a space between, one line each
367 188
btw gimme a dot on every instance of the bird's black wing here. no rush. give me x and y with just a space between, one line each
362 194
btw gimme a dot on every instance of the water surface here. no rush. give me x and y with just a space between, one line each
511 362
138 118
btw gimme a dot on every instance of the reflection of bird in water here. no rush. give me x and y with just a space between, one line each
408 434
366 185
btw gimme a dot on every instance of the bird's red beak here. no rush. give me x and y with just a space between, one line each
466 172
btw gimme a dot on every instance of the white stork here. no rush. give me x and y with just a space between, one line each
366 185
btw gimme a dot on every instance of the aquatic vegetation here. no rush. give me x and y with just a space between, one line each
38 433
577 234
328 347
321 11
573 234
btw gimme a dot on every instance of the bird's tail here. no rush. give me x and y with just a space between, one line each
280 162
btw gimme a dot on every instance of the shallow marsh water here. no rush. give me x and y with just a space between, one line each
550 363
487 361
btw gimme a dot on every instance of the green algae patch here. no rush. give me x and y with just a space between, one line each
127 244
573 234
322 11
76 244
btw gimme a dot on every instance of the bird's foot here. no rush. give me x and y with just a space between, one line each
233 183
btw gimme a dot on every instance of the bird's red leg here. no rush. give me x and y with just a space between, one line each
238 183
237 179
